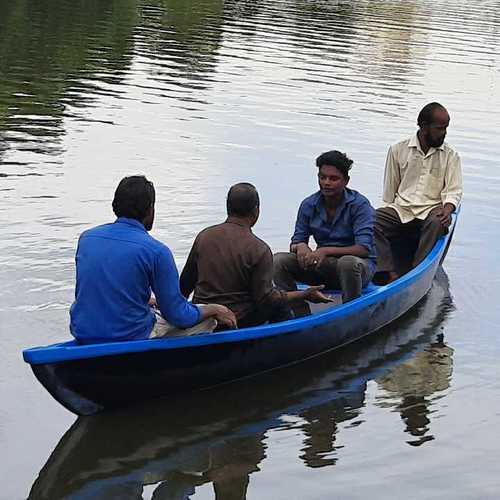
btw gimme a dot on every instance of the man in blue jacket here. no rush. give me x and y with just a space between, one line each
119 265
341 222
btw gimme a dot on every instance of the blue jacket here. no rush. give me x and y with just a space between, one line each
117 266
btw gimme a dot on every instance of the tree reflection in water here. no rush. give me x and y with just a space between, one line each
219 436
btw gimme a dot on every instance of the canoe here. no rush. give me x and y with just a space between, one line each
88 379
160 442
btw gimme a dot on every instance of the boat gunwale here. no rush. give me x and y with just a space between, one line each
72 351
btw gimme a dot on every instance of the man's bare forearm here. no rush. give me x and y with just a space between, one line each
296 296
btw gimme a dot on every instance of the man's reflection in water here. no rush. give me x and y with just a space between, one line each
228 468
319 431
417 381
227 464
321 426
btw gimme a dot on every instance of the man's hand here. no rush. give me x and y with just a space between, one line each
302 251
225 316
316 258
222 314
444 214
314 295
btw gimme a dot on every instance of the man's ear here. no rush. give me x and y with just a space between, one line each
256 213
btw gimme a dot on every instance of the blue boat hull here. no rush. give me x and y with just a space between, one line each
90 379
96 454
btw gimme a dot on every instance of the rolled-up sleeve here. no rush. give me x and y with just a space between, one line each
363 221
392 177
453 190
302 231
165 284
263 290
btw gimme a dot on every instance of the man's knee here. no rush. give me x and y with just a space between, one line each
349 264
433 224
386 215
387 224
381 213
380 218
284 260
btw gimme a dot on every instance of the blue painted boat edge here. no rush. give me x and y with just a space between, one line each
71 350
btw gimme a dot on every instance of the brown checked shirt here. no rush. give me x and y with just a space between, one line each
229 265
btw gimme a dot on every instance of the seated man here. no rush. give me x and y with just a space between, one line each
229 265
341 222
118 265
422 187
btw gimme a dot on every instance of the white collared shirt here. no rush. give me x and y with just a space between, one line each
415 182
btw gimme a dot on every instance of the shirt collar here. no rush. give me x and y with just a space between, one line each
320 208
131 222
415 143
348 198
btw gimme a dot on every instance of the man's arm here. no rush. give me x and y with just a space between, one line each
301 235
392 177
264 291
165 285
262 286
189 275
363 222
173 305
302 231
452 190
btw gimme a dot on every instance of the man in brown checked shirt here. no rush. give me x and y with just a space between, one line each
229 265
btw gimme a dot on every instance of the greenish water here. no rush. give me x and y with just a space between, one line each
200 94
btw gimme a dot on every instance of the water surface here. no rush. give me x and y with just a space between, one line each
197 95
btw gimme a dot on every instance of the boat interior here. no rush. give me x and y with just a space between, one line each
403 250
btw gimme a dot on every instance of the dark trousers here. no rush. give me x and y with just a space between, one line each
266 314
388 226
349 273
262 314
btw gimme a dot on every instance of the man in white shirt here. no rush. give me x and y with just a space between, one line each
422 187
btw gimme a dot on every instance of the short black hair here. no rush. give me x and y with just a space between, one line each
134 197
335 159
242 199
426 114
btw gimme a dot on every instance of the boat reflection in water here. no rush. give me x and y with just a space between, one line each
219 436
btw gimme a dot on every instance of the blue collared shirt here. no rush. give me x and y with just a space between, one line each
352 224
117 266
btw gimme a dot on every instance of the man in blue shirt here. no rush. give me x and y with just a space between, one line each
341 222
118 265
